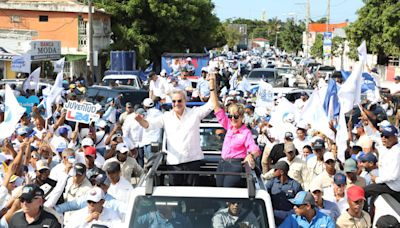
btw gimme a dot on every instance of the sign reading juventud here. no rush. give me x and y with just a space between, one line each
45 50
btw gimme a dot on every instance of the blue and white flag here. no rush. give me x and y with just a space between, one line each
331 101
12 114
56 90
345 74
362 52
32 82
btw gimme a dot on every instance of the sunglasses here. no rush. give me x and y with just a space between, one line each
91 202
236 117
176 101
27 200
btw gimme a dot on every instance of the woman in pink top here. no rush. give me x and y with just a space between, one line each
239 146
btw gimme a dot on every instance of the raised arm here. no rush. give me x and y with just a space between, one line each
213 92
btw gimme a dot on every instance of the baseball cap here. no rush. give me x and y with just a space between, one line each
101 178
389 130
63 130
355 193
319 144
339 179
188 59
303 197
95 194
140 111
41 164
350 166
328 156
90 151
289 135
148 103
80 169
128 105
22 131
315 187
369 157
122 148
282 165
387 221
87 142
204 69
29 192
100 124
13 178
289 146
384 123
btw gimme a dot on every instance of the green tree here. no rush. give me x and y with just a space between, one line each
291 36
317 48
338 46
152 27
232 35
378 23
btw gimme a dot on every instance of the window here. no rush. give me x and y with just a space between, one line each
15 19
43 18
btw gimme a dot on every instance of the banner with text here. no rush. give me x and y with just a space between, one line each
81 112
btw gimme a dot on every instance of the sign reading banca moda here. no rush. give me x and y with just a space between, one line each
45 50
81 112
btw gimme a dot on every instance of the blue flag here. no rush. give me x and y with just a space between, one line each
345 74
368 82
331 102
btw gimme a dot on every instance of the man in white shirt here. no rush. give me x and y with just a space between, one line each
316 164
181 126
150 135
388 180
301 140
157 87
95 212
129 166
120 188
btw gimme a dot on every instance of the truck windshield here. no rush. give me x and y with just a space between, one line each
188 212
115 82
211 138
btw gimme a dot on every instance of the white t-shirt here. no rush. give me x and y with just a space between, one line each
121 191
108 217
158 87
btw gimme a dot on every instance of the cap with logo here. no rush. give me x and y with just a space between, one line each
63 131
350 165
355 193
339 179
369 157
95 194
303 197
80 169
389 130
319 144
30 191
122 148
289 135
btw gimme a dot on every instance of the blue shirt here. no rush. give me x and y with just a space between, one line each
320 220
281 192
331 209
203 87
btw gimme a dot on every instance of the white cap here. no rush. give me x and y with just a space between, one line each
204 69
148 103
384 123
328 156
87 142
101 123
188 59
163 72
41 164
121 147
95 194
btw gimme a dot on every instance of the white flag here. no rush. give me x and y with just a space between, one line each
12 114
56 90
362 52
59 65
32 82
314 114
350 92
341 136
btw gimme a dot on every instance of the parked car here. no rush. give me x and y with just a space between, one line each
269 75
325 71
99 94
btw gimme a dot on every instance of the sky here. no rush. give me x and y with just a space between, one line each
253 9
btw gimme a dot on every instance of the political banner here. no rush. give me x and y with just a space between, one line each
28 103
21 63
81 112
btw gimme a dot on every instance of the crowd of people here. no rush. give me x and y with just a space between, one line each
56 171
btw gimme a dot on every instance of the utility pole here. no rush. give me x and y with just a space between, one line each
90 74
328 15
307 27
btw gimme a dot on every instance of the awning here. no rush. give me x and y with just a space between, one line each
72 58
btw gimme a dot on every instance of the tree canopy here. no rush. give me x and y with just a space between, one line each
378 23
152 27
